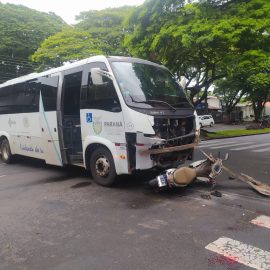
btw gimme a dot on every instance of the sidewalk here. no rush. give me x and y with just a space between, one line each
219 131
222 126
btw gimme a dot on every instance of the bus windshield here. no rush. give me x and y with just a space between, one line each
147 86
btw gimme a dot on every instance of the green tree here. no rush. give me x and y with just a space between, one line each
98 32
200 40
145 22
68 45
21 31
255 68
249 78
182 40
229 91
106 26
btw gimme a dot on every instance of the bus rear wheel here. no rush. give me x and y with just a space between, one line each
102 167
5 151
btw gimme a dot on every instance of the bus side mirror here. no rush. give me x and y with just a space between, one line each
96 76
183 81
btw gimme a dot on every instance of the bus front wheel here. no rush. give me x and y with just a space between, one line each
102 167
5 151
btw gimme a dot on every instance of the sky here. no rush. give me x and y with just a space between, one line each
67 9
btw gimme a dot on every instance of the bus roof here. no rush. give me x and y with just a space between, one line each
73 65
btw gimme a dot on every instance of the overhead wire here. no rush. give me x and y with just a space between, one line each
14 58
19 67
5 62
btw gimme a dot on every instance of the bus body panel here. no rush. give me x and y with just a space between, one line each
25 135
49 136
119 152
105 128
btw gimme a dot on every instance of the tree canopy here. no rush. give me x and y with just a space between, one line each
205 41
66 46
97 32
21 32
106 26
211 42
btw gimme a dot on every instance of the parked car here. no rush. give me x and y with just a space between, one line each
266 119
206 120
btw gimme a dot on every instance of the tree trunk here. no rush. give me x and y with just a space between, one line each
258 109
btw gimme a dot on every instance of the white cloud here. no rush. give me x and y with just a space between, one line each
68 9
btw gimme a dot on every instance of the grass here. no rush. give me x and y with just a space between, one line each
236 133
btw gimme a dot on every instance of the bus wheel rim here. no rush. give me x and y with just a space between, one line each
102 166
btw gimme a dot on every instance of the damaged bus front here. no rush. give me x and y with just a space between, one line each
161 129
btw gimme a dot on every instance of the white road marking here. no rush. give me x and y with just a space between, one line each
242 253
229 145
216 144
210 142
261 150
263 221
251 146
1 176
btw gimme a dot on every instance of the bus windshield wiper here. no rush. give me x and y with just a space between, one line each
182 102
154 101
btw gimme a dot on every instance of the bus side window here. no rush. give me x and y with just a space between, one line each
31 96
5 97
71 87
48 87
100 96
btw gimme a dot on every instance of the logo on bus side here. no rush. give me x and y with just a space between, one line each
11 122
26 122
97 125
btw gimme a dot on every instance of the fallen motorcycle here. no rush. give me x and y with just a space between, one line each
209 169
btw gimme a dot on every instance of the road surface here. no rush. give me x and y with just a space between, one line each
54 218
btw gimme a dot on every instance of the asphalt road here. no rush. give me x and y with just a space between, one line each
247 154
54 218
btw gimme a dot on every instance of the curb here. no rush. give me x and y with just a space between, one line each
227 137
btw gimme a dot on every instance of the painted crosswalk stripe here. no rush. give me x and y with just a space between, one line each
251 146
209 142
246 254
229 145
1 176
262 150
263 221
215 144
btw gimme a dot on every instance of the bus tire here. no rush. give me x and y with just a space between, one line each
102 167
6 152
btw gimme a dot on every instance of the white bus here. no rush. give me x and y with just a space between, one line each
110 115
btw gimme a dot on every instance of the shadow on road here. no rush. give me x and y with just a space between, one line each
136 182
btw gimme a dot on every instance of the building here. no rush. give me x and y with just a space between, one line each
212 107
266 108
242 112
247 111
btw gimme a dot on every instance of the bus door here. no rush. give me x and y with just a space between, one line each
70 108
101 113
48 148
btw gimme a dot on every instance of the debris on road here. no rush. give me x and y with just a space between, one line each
216 193
208 168
260 187
206 196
